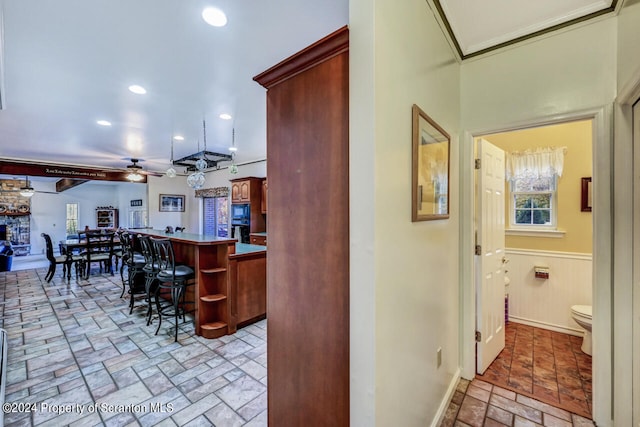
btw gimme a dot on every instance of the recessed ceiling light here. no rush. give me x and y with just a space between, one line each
225 116
137 89
233 148
103 123
179 138
214 17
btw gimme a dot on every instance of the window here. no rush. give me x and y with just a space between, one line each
533 203
216 216
533 176
72 218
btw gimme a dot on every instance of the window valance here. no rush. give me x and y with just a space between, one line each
213 192
540 163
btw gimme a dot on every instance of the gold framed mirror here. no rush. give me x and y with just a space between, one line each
430 169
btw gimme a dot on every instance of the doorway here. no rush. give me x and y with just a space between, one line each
601 261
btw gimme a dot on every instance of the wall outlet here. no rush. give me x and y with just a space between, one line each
438 357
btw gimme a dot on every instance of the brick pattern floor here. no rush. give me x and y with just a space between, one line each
545 365
480 404
74 343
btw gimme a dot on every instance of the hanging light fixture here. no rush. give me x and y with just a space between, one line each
233 169
171 172
134 171
201 164
27 190
196 179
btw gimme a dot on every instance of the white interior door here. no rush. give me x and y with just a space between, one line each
490 263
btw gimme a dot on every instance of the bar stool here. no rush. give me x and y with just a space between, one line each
150 271
172 278
135 264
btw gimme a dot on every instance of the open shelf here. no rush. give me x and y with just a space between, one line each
214 329
213 270
213 298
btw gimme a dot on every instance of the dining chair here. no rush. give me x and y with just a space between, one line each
172 280
67 260
98 249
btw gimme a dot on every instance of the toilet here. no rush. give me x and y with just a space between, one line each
582 315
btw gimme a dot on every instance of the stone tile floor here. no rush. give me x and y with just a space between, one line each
77 357
544 365
479 403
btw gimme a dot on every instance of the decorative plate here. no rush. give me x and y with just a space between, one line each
23 208
3 208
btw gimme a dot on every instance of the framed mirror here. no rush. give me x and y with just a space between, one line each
430 169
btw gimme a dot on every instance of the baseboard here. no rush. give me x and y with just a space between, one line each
442 409
548 326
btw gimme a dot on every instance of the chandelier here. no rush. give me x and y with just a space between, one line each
171 172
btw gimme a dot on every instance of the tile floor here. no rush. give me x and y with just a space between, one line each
545 365
75 343
478 403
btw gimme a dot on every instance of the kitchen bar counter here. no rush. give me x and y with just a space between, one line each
231 280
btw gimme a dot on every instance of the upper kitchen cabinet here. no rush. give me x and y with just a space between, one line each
246 190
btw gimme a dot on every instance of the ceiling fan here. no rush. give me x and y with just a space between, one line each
136 172
27 190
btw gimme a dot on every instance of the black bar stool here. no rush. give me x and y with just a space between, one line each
172 278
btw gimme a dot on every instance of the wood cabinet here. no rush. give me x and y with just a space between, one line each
308 166
258 239
245 190
249 190
107 218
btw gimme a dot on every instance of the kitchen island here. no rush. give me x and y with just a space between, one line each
230 281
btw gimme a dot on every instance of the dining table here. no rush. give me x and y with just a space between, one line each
68 246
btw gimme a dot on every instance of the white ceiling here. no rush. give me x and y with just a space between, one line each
68 63
478 26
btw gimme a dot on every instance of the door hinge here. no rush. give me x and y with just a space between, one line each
478 336
478 163
478 250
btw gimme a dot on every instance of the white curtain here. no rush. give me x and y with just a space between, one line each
539 163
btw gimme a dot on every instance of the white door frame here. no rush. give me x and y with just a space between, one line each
626 268
602 248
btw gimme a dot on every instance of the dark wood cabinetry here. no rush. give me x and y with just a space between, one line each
258 239
308 229
249 190
107 218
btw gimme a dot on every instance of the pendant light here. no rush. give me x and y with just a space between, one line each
233 169
27 190
171 172
196 179
201 164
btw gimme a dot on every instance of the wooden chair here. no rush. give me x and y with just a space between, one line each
173 279
99 248
67 260
150 270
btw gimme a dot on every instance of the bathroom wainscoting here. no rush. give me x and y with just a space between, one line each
546 303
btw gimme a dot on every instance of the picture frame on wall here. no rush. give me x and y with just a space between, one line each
171 203
430 169
586 195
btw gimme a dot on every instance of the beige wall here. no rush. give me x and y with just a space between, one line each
577 137
415 278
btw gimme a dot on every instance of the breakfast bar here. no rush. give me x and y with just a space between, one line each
230 288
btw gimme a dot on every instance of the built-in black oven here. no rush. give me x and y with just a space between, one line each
240 214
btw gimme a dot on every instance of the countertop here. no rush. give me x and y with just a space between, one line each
188 237
262 233
247 249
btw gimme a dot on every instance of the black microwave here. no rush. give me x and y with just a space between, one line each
240 214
